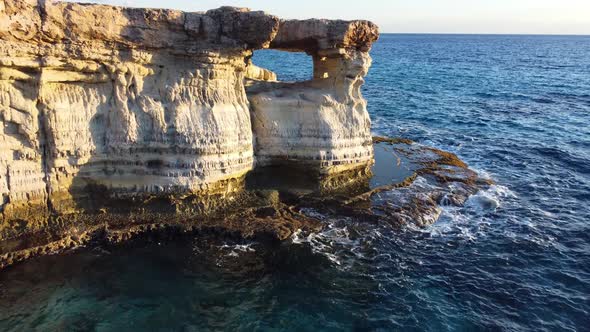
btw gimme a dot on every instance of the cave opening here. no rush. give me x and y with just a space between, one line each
289 66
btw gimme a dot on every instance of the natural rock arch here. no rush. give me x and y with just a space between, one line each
132 102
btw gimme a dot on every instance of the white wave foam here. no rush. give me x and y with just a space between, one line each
234 250
483 174
332 242
489 200
471 221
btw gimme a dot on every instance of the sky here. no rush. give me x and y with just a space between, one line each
416 16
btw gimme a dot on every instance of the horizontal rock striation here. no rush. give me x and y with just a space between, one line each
100 102
132 100
321 123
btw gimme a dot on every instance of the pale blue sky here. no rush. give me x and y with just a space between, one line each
421 16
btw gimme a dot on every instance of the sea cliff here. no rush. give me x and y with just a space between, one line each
130 101
120 121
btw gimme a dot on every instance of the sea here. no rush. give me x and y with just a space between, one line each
515 257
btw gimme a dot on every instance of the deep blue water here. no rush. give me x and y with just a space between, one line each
516 257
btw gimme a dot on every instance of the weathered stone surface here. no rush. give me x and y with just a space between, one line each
256 73
321 123
150 101
132 100
316 36
111 110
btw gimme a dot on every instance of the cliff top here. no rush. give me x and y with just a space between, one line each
225 27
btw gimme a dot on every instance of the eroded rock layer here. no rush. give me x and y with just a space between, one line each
323 122
130 100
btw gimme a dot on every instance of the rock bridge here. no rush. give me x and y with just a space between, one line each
126 102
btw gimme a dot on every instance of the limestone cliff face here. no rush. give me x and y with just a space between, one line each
152 101
136 100
323 122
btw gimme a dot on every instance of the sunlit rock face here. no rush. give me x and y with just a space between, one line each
130 100
322 123
101 104
119 122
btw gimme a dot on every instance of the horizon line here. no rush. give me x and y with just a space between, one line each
486 34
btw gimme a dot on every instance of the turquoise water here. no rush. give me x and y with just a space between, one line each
515 257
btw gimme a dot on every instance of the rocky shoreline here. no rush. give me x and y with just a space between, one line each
273 215
124 122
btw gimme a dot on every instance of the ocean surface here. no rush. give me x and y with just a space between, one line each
516 257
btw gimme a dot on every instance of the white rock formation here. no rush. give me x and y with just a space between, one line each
152 101
135 100
322 123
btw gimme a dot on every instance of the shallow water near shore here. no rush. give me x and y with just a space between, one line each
515 257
